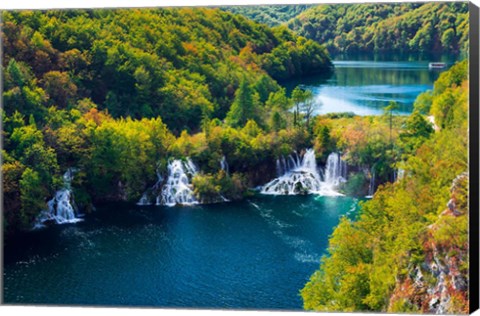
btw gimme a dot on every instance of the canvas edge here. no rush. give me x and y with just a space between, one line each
474 117
474 157
1 163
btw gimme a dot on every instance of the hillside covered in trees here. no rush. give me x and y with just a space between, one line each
107 91
410 27
178 63
408 249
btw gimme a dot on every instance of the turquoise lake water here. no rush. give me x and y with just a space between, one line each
255 254
364 85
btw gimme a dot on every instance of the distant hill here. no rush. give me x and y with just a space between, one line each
271 15
412 27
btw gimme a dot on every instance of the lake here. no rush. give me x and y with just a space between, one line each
365 84
254 254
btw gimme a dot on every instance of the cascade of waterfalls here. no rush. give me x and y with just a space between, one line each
300 175
178 188
61 208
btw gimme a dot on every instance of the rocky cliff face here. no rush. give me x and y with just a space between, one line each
439 284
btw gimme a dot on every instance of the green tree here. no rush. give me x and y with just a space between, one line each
307 108
29 147
277 121
251 128
303 106
417 130
402 27
423 102
388 111
243 107
278 99
21 92
11 174
448 39
32 196
323 143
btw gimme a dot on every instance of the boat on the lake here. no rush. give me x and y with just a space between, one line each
437 65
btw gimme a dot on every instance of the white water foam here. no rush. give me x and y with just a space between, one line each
371 186
307 258
301 176
304 252
61 208
224 165
178 188
145 199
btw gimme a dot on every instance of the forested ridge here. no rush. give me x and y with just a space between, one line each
178 63
408 249
410 27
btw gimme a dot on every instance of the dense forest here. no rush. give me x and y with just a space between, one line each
148 63
408 249
272 15
107 91
410 27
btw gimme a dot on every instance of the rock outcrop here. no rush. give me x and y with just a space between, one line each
439 284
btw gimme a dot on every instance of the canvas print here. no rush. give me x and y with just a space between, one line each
273 157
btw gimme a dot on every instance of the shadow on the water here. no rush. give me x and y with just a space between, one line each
312 80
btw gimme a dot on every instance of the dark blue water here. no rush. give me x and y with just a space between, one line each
255 254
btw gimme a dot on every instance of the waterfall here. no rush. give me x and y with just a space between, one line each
278 167
335 170
400 174
293 162
371 186
300 175
224 165
281 166
145 199
61 208
178 188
